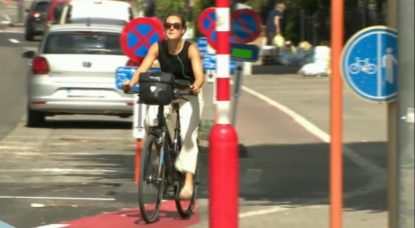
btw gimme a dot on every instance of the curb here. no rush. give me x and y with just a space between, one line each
5 21
19 24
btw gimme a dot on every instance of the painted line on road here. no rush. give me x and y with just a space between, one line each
53 226
5 225
274 209
67 137
378 180
297 117
14 41
57 198
61 170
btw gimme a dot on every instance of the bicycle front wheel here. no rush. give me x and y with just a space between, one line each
185 206
151 182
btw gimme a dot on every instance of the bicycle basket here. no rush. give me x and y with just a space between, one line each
156 88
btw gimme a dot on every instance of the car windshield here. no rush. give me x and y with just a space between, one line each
83 43
41 7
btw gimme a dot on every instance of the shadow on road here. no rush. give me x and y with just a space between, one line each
87 124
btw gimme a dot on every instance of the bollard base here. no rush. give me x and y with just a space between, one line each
223 177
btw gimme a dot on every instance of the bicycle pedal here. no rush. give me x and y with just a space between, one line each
168 195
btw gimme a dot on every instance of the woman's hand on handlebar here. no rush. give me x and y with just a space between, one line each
195 89
126 86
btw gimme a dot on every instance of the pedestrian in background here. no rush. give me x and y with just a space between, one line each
273 24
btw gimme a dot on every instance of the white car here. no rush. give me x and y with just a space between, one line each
97 11
74 73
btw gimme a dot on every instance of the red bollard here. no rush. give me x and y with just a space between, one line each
137 160
223 177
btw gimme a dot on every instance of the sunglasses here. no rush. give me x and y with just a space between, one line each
175 25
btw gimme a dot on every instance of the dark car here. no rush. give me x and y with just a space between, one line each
36 18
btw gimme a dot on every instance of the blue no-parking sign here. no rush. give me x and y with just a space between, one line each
246 26
370 65
139 34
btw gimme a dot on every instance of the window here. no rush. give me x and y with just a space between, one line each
83 43
41 7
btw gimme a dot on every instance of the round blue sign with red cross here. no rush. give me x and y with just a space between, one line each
138 35
246 26
206 25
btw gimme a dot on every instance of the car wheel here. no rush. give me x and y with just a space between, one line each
34 118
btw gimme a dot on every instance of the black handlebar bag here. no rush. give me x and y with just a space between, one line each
156 88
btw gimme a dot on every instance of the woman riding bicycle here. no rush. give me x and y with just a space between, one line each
181 58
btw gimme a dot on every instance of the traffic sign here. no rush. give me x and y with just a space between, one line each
125 73
138 35
369 63
244 52
209 63
202 45
207 25
246 26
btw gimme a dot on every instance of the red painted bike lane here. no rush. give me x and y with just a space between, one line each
131 217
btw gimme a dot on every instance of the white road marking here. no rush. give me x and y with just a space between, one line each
57 198
297 117
14 41
53 226
275 209
68 137
60 170
378 180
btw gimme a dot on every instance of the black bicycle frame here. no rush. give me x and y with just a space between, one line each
172 146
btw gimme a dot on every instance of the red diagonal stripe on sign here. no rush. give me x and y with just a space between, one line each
143 40
243 25
212 24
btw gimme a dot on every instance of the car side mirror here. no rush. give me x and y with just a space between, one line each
28 54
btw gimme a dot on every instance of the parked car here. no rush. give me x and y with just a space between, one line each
73 72
36 18
104 11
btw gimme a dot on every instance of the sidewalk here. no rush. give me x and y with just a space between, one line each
9 14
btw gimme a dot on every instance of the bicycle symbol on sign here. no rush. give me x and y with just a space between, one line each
362 65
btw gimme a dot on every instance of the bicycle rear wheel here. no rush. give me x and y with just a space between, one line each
151 182
185 207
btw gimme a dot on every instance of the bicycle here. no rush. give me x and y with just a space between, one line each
158 178
362 65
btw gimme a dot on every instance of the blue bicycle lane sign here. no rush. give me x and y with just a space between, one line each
369 63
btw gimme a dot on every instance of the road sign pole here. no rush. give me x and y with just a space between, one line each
336 124
392 115
237 83
405 124
223 140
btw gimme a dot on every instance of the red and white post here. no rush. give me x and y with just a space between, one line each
223 139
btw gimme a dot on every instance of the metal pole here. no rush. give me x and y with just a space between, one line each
336 111
20 10
391 134
405 122
236 90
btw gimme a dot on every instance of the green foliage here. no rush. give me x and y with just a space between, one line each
199 6
164 7
255 4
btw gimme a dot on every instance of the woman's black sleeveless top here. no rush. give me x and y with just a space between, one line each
179 65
